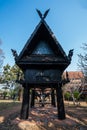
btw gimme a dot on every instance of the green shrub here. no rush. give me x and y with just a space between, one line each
76 94
67 95
4 94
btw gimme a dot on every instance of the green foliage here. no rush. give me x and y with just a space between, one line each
67 95
76 94
4 94
10 75
6 73
15 70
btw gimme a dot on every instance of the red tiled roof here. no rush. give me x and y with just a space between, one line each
74 74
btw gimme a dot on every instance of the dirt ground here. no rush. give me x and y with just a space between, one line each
45 118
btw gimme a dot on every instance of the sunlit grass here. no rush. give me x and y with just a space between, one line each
2 119
80 104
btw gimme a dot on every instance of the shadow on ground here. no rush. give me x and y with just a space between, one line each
45 118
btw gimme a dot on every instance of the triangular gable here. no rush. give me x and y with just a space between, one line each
42 33
43 48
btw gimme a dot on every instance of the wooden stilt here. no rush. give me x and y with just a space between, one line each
25 103
33 98
53 98
60 103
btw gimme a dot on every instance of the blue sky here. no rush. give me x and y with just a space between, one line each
67 19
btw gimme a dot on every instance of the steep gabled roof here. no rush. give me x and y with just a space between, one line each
41 32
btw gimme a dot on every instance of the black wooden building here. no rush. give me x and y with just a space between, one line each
42 61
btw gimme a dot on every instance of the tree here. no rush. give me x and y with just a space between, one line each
10 75
6 73
83 66
82 63
1 57
16 74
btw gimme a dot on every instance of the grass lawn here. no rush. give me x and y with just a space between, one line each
8 104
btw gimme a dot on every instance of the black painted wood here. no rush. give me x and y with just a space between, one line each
60 103
53 102
33 98
43 62
25 103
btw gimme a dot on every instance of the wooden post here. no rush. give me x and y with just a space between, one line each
53 98
33 98
25 103
60 103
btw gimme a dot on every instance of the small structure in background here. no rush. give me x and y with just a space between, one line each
77 87
43 62
76 80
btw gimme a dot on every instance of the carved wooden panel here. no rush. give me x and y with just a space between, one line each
42 76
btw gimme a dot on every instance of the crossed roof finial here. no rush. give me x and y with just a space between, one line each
42 16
